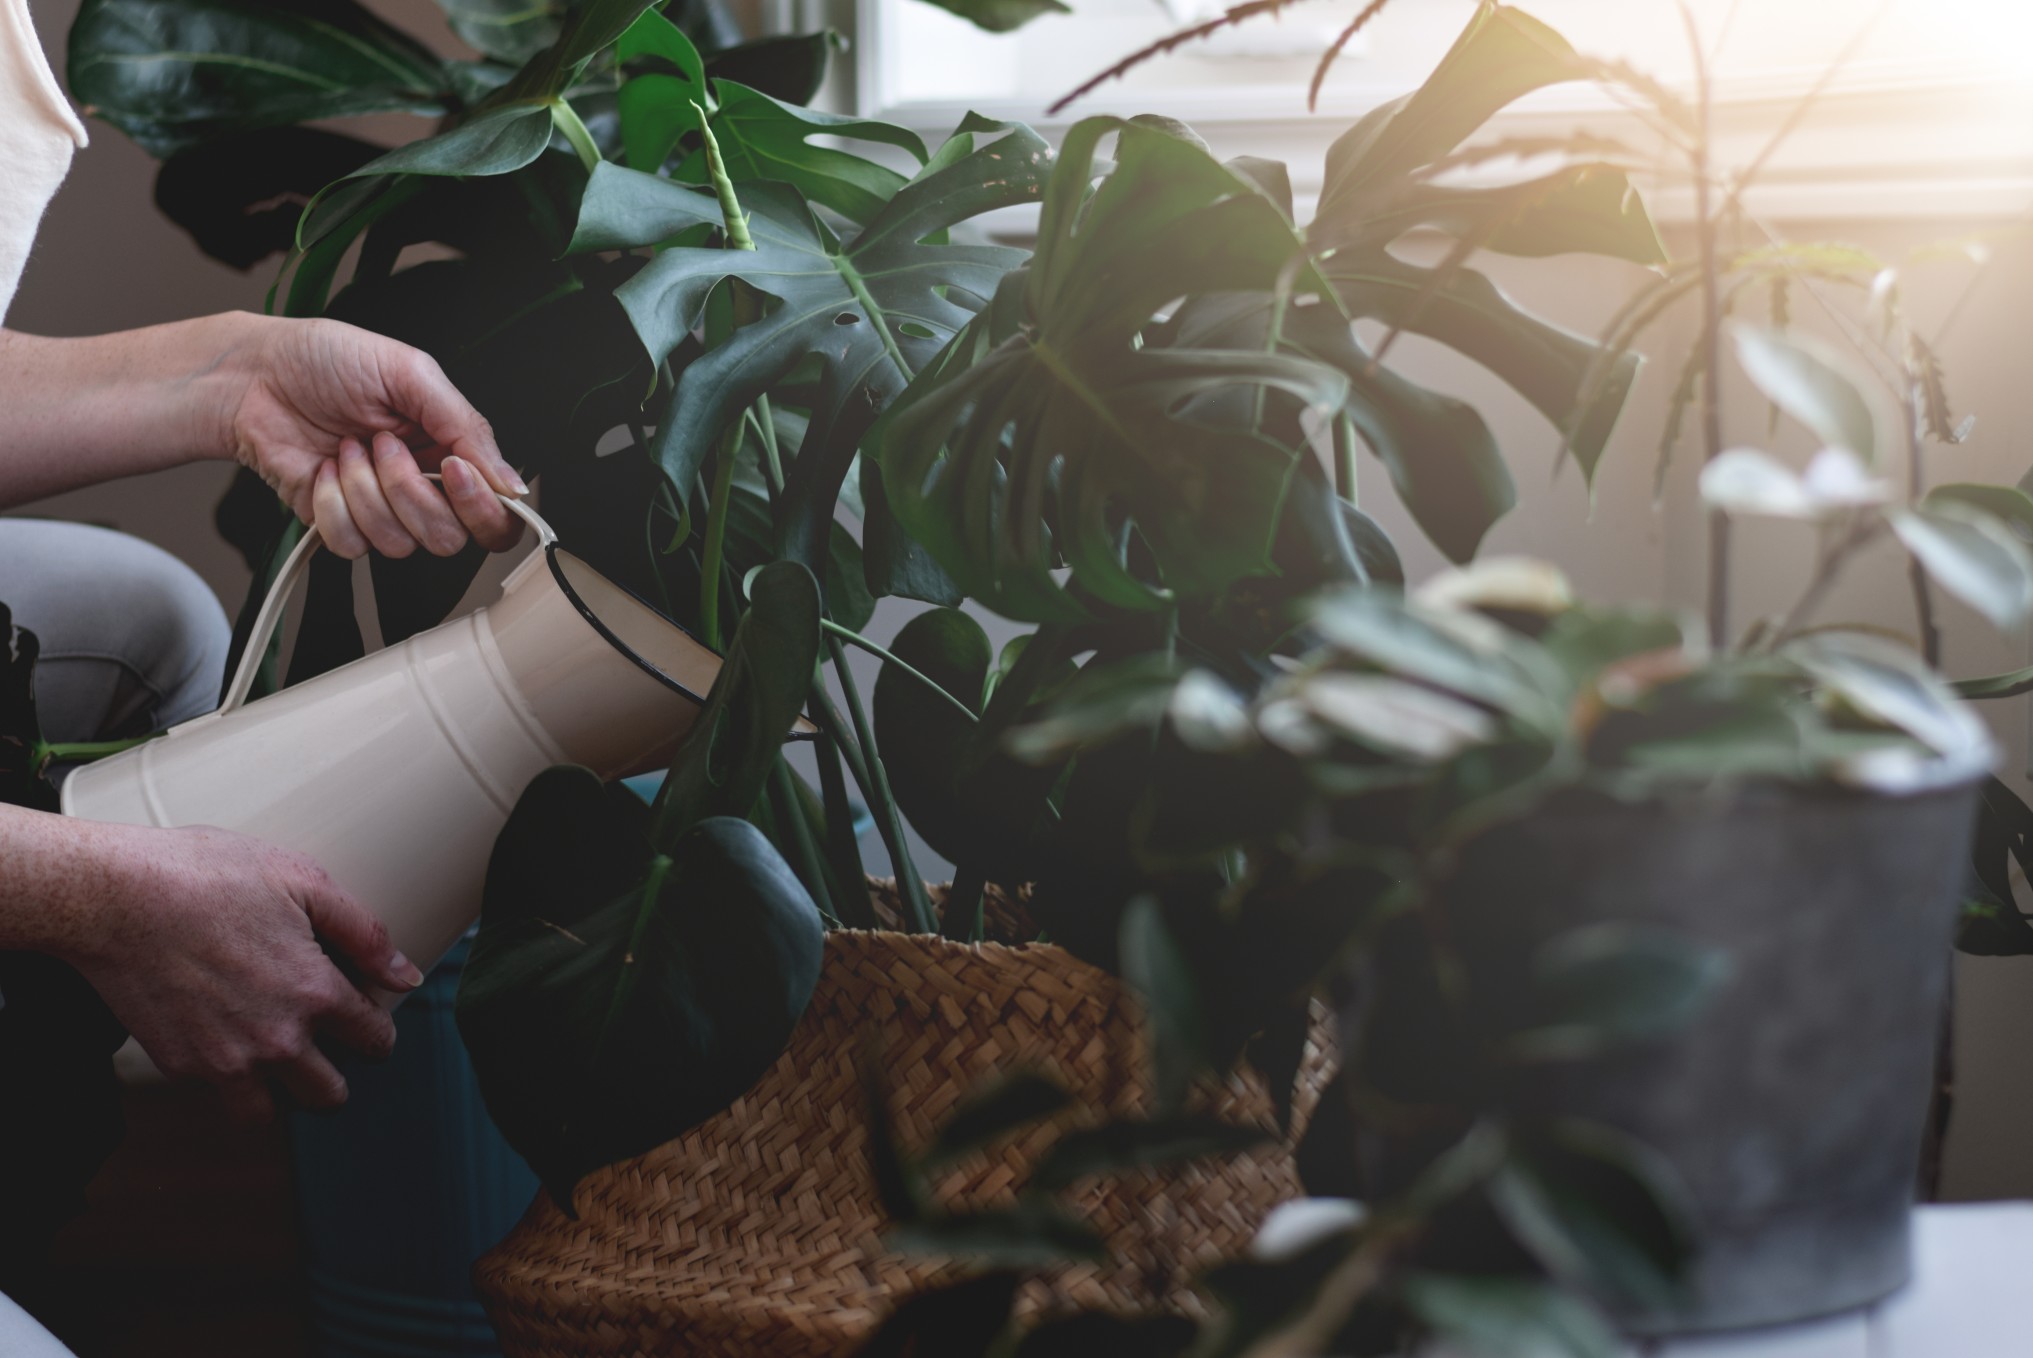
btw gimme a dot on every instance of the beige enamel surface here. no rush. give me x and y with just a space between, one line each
398 771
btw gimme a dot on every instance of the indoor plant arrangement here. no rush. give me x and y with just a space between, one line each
811 311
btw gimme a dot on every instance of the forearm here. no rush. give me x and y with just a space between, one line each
81 411
57 878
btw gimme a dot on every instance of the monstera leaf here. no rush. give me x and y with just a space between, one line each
760 136
1048 424
170 73
638 968
1380 185
868 312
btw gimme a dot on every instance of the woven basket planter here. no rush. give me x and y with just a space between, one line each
758 1234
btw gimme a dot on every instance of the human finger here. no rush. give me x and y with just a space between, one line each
368 504
477 506
419 504
353 1019
312 1080
330 516
420 391
351 927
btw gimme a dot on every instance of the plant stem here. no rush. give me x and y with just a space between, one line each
84 751
1826 572
854 638
566 119
714 550
790 815
1707 225
772 459
1344 460
731 214
1916 486
966 918
875 786
843 846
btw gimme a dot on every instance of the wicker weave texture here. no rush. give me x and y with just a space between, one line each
757 1234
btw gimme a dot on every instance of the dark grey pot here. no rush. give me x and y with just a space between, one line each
1793 1107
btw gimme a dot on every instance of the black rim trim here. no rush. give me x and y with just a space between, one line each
607 634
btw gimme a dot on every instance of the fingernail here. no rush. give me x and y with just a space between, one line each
454 467
405 971
517 484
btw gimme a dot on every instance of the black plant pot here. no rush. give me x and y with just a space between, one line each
1793 1107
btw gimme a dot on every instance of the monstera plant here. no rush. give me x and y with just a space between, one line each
745 355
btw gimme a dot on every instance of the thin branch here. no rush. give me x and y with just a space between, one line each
1333 52
1229 18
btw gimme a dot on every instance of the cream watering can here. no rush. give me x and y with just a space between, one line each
396 772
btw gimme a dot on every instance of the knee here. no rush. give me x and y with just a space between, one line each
102 601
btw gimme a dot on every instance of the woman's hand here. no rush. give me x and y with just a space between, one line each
343 423
206 948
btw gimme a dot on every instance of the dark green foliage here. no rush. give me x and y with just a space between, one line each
963 792
618 995
21 774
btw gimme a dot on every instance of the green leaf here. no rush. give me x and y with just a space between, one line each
1500 1317
1046 424
1608 985
1032 1234
1582 209
503 138
615 999
239 195
1975 557
1457 653
996 1111
1502 55
1889 686
767 138
1462 309
727 756
1442 459
973 802
1002 16
958 1320
1122 1145
869 313
172 73
1154 963
1599 1211
1814 384
507 30
2009 504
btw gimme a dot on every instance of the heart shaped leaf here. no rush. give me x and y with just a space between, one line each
616 998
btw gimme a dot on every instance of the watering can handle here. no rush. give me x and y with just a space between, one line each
292 571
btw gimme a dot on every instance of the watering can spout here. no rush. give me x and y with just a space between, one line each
398 771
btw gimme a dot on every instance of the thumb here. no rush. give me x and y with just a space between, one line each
351 927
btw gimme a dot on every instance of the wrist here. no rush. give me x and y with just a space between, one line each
226 358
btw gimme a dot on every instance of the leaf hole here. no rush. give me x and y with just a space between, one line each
847 318
915 330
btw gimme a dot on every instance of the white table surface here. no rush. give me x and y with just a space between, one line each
1969 1298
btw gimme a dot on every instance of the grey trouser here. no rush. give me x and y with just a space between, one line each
132 639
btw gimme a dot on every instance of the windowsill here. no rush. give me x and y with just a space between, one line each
1892 142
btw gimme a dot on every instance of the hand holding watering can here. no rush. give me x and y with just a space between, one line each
564 667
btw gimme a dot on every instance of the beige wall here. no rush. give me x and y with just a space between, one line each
107 260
